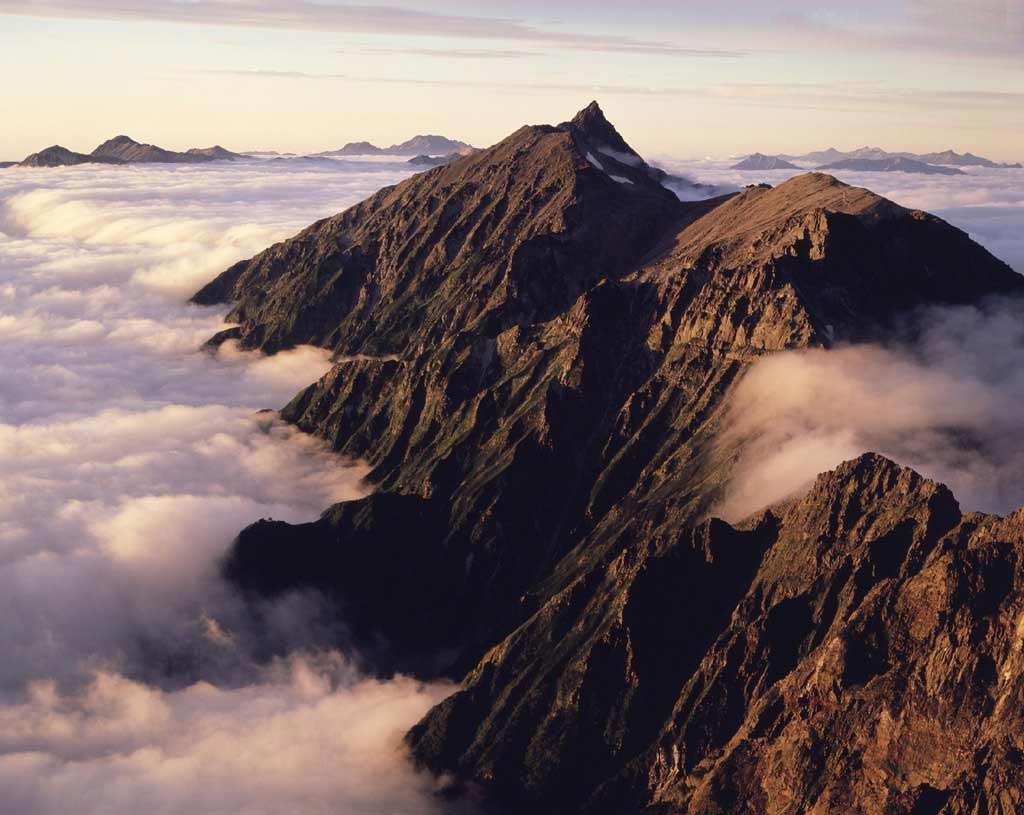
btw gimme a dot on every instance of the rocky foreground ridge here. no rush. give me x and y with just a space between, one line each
536 345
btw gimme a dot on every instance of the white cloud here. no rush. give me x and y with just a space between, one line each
946 403
129 458
308 737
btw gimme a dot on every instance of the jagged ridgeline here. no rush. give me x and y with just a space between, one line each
537 343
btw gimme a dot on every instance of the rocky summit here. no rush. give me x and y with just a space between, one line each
536 346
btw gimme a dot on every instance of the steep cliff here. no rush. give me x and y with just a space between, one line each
858 651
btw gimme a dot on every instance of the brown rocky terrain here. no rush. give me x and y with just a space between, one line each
894 164
536 345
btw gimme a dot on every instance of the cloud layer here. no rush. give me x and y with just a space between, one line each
132 677
308 737
946 401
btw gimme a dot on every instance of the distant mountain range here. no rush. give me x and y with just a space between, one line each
759 161
416 146
123 150
434 161
895 164
947 157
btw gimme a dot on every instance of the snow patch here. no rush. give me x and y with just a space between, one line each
628 159
621 179
595 162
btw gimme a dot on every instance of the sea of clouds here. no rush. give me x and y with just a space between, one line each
945 398
132 679
129 458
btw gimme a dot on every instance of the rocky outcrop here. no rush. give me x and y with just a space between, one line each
858 651
536 346
946 157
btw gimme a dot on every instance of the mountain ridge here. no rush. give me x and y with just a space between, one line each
429 145
536 348
945 157
897 164
124 150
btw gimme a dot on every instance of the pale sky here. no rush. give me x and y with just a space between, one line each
677 77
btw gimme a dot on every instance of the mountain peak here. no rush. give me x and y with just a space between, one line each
595 127
118 142
590 112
